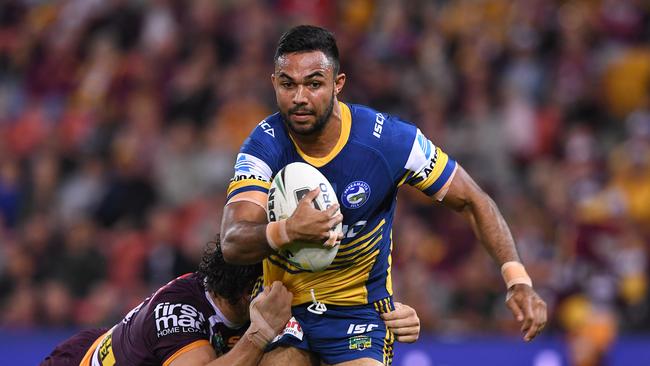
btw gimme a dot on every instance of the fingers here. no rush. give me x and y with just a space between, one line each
406 338
335 220
516 310
403 322
277 289
279 294
539 319
311 195
530 310
331 240
407 335
331 211
528 327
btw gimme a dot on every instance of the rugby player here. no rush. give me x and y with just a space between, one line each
200 319
367 156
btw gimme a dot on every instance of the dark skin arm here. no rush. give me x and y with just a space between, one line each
467 198
243 228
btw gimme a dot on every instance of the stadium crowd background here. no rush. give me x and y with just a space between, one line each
120 121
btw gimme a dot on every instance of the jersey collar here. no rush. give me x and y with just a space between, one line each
346 124
218 317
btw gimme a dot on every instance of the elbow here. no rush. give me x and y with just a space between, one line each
230 251
236 252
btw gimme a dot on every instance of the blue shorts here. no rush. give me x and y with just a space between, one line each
342 333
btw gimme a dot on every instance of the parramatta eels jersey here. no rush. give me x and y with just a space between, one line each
375 154
177 318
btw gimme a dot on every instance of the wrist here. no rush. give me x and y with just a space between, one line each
514 273
260 334
276 234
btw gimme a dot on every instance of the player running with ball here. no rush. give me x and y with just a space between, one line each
366 155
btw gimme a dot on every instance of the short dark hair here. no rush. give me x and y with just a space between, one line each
305 38
229 281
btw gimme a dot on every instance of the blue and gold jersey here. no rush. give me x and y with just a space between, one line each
375 154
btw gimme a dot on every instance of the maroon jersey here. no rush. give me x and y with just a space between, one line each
178 317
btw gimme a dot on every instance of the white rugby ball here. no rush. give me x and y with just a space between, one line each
289 185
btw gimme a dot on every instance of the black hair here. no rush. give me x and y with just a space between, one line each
305 38
229 281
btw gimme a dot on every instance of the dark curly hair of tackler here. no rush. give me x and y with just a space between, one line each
229 281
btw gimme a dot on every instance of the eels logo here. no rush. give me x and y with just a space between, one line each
355 194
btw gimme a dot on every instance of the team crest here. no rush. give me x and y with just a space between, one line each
356 194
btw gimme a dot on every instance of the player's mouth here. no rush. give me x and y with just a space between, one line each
301 116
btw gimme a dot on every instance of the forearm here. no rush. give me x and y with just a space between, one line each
491 229
245 243
245 353
243 233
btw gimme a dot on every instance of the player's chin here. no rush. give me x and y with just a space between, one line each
303 126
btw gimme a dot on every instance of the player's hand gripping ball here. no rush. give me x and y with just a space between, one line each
289 186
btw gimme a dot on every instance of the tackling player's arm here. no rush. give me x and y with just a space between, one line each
270 311
466 197
247 237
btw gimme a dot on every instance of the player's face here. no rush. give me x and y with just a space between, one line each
305 89
240 309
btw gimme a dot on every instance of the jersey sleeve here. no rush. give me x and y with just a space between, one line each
254 167
428 168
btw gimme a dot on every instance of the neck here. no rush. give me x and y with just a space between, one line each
321 143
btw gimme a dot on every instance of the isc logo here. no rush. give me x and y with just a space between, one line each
379 125
361 328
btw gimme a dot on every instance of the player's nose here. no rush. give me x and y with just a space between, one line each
299 97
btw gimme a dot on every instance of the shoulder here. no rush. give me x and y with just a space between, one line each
389 135
266 142
185 287
379 128
268 132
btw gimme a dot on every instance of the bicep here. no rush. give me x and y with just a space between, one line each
462 192
242 211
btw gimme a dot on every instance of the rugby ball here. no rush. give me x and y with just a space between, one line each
289 185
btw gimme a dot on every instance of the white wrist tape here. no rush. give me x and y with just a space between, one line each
276 234
260 333
514 273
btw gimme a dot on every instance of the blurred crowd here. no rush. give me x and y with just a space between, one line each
120 121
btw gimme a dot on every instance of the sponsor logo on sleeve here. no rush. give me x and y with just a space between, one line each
356 194
251 167
425 145
178 318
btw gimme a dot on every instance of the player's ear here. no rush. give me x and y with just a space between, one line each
339 81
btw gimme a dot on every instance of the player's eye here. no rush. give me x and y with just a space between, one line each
286 84
314 84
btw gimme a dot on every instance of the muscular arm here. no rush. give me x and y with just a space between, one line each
243 233
466 197
245 353
243 228
489 226
269 312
